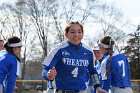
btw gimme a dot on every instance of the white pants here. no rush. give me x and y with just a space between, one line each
121 90
54 91
51 90
82 91
1 88
90 89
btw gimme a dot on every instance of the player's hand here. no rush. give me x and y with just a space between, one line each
99 90
15 88
51 73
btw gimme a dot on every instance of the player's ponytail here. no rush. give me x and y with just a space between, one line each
107 43
110 58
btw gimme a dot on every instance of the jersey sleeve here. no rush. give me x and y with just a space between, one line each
93 73
10 84
11 77
44 72
106 79
50 61
106 83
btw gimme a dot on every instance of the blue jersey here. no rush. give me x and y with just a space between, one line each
72 63
119 74
2 52
8 71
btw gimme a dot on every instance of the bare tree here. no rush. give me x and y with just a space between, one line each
112 23
49 16
16 23
63 11
39 17
7 27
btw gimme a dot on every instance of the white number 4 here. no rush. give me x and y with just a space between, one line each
75 72
121 63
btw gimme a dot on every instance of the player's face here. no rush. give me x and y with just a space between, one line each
17 50
75 34
1 46
103 50
98 54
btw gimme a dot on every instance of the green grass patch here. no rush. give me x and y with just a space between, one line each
136 92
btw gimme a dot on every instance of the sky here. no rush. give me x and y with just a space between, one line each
129 8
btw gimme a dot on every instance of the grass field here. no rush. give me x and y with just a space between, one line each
136 92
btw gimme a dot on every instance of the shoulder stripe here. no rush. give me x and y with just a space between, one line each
52 53
87 47
103 65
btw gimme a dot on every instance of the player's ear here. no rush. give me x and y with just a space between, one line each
66 34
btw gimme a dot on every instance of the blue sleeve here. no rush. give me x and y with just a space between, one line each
93 73
11 77
106 83
50 62
44 72
10 84
91 68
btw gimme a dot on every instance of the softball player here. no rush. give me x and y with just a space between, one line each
115 70
67 65
9 65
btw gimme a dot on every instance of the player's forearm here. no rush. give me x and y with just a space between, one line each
95 80
44 73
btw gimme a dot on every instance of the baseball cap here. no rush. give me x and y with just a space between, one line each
96 48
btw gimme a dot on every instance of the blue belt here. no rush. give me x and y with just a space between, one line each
68 91
122 87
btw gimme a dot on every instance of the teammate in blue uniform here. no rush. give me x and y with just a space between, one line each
67 65
9 65
115 69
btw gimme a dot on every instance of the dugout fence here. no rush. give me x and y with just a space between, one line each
34 85
30 86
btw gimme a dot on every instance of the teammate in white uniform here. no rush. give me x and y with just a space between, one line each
99 56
